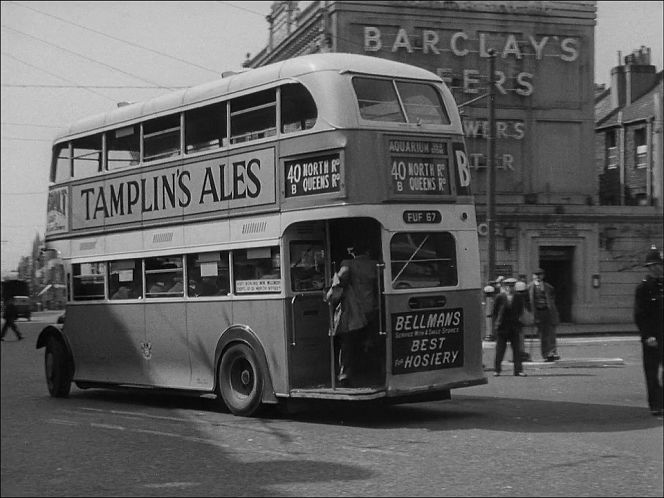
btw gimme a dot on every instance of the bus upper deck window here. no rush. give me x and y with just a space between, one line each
378 100
422 103
254 116
205 128
123 147
161 137
61 161
87 156
298 109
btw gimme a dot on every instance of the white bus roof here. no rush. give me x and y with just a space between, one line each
289 68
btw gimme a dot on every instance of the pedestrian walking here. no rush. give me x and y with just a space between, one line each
508 308
542 300
10 315
648 310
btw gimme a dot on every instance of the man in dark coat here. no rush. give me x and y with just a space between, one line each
11 314
542 300
648 312
507 311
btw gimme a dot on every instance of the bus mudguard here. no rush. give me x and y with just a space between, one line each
242 333
51 331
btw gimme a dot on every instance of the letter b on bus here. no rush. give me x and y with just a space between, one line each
463 168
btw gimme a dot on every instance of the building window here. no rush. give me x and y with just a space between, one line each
641 148
611 150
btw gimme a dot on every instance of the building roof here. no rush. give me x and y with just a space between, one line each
641 109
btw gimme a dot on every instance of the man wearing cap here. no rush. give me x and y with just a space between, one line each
507 312
648 312
543 305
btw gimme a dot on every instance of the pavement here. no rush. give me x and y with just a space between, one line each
532 345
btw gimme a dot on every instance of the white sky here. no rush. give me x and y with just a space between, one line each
190 43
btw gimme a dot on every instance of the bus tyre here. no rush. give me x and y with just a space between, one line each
56 365
240 380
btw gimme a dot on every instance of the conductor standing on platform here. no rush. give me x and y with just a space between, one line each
648 310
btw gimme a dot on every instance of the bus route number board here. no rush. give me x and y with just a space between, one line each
313 175
427 340
419 168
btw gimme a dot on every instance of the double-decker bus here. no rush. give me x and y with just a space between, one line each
199 232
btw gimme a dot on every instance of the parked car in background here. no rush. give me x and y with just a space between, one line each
23 307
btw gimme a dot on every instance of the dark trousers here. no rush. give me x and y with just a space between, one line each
361 354
511 335
547 333
10 324
349 345
652 360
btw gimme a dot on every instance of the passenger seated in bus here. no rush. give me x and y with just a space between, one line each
157 287
207 287
177 287
124 292
264 271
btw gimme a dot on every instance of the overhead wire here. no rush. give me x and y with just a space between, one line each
82 56
133 44
55 75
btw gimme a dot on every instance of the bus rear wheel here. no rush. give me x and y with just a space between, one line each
240 380
57 368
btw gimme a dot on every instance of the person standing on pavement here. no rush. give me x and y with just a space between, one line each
542 300
507 311
521 287
11 314
648 310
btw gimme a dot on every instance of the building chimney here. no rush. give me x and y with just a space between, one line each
617 87
640 75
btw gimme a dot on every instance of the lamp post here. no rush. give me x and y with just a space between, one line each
491 167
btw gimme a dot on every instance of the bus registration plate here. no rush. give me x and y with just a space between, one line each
427 340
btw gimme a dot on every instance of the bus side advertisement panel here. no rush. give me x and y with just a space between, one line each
240 180
427 340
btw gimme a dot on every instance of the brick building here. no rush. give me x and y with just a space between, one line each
629 134
548 211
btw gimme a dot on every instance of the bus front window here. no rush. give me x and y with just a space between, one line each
422 260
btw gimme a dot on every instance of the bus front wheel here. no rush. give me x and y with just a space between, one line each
240 380
56 365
